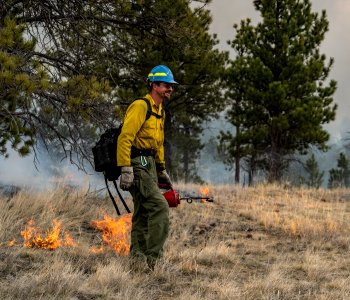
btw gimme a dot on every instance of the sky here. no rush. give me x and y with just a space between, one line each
225 13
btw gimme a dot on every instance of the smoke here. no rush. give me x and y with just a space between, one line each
210 165
45 173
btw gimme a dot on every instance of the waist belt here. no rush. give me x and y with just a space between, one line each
135 152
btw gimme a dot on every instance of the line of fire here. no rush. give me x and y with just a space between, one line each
115 232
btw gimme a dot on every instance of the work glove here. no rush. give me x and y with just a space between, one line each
126 178
164 178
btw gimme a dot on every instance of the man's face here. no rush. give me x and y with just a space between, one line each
164 90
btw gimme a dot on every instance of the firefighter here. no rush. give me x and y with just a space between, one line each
140 154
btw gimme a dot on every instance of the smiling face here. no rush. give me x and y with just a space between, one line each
163 89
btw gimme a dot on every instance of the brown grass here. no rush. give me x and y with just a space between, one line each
266 242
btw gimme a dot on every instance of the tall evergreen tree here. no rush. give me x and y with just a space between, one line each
279 79
95 56
198 67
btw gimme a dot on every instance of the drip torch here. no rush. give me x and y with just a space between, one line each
173 197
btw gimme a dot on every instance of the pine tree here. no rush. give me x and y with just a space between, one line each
340 177
279 80
335 179
95 56
315 176
198 67
19 79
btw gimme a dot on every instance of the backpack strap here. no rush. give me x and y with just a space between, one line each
121 197
112 198
149 110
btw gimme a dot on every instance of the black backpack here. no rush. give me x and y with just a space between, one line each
105 155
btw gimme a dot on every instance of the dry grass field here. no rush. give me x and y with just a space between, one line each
266 242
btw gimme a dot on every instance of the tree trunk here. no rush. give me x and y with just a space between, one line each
168 151
237 158
251 172
275 170
186 158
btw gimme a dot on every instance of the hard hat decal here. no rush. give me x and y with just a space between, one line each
157 74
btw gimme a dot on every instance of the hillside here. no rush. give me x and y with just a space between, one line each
266 242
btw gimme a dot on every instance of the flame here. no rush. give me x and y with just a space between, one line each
34 237
115 233
204 190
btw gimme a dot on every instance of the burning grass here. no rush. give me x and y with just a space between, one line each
115 234
35 238
266 242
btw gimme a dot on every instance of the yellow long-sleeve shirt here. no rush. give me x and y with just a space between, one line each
141 134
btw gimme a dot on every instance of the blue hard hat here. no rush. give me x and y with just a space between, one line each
161 73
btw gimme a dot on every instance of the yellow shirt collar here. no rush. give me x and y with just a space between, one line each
153 103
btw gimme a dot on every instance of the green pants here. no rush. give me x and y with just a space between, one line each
150 220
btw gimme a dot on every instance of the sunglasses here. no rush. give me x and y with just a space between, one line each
167 85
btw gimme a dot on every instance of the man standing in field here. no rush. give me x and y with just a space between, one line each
140 154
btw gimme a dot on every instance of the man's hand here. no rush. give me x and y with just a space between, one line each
126 178
164 178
